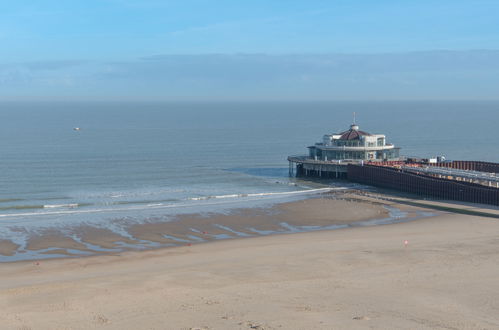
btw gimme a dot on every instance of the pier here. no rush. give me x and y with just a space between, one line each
367 159
424 182
440 180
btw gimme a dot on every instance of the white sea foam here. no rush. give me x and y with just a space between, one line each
55 206
205 200
263 194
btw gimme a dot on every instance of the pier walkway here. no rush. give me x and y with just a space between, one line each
492 179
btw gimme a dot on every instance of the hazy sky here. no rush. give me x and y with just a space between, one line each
281 49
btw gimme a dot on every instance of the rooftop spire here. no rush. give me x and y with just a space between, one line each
354 126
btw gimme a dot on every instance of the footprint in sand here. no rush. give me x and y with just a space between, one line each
361 318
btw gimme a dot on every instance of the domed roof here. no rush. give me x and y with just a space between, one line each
353 133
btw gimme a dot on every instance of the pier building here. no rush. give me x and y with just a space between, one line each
354 144
330 157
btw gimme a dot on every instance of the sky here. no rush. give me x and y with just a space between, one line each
240 50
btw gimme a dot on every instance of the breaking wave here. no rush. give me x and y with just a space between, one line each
78 208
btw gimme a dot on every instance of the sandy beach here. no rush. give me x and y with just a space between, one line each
439 272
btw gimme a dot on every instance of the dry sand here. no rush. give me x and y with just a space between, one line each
447 277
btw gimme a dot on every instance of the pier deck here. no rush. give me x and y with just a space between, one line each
489 179
469 181
306 166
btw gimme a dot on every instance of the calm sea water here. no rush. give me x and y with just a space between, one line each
142 160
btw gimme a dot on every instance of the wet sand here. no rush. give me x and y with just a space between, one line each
8 248
445 277
326 211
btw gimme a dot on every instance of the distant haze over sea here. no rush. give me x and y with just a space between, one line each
433 75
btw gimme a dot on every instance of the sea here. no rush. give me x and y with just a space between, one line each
69 163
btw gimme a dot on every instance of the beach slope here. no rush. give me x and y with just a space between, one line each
444 277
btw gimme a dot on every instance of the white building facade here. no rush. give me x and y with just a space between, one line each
354 144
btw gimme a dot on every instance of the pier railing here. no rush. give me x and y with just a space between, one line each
309 160
470 165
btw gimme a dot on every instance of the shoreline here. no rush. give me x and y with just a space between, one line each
281 217
316 212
